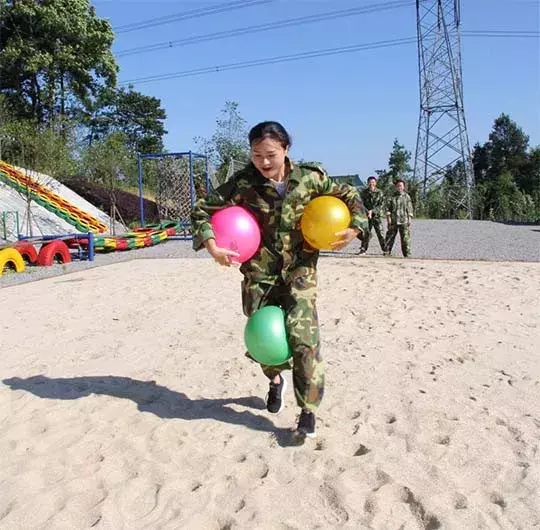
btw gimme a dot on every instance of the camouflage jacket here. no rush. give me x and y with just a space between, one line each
373 200
399 208
284 255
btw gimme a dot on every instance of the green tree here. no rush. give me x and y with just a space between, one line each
507 147
43 152
229 141
528 179
507 174
139 117
399 163
107 160
54 56
398 168
49 149
109 163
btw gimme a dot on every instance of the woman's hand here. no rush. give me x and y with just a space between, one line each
346 236
221 255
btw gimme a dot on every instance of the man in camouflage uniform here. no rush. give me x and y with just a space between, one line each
373 199
283 271
399 214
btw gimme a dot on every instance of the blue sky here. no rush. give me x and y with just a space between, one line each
343 110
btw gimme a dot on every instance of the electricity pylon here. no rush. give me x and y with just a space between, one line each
442 142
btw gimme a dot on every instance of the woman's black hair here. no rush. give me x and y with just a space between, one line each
269 129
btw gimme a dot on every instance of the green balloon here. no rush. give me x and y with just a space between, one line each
265 336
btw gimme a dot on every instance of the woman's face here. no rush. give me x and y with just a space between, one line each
268 156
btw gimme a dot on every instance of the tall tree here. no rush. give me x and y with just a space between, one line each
139 117
108 160
48 149
54 56
229 141
507 175
399 162
507 147
40 151
398 168
529 178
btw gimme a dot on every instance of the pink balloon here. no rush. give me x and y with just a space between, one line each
237 229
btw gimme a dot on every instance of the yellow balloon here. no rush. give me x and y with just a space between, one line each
322 218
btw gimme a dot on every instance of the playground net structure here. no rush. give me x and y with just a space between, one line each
234 166
10 227
169 185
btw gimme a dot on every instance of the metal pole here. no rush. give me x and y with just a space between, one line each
191 181
91 251
141 200
207 175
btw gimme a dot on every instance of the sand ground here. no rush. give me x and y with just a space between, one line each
126 401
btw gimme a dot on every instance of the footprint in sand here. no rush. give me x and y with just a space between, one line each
397 496
382 479
5 509
138 498
241 506
362 450
429 521
332 500
460 502
390 420
196 486
442 440
320 445
255 466
497 499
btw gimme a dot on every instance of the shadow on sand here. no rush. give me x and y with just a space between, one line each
155 399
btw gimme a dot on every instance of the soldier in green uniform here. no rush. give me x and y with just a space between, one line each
284 270
399 214
373 199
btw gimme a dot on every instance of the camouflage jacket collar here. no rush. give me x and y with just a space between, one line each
294 176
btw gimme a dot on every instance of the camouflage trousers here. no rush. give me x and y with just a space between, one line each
374 223
298 301
404 235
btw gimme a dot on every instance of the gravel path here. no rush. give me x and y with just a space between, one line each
468 240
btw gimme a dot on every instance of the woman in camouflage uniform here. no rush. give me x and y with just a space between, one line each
283 271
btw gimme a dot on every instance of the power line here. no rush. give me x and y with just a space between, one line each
274 60
186 15
285 23
317 53
502 33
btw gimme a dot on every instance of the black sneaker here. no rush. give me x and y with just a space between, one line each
274 398
362 251
306 424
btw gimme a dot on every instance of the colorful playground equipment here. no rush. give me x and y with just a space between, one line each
81 220
91 236
138 238
11 259
54 249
